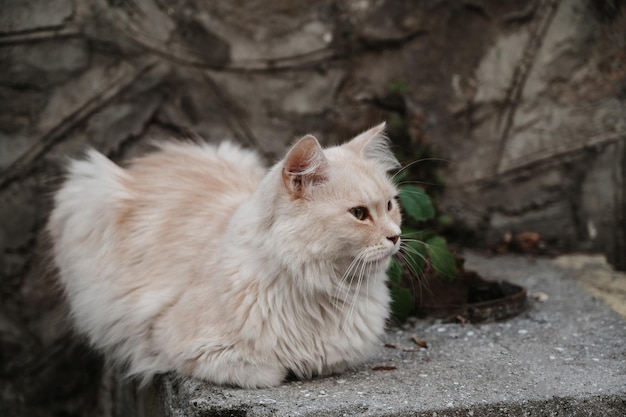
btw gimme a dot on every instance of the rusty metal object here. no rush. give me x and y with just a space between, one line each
473 299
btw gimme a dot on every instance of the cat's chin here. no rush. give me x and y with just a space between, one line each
387 257
383 259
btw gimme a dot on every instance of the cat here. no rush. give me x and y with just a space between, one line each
197 259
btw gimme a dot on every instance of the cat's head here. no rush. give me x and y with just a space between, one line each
339 204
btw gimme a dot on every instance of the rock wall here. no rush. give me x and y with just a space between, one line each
546 122
525 99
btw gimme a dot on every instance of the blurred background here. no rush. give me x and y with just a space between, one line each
517 109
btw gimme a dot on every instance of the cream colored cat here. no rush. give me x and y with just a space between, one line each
198 260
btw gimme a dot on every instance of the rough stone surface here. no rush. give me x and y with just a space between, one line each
598 278
551 108
23 15
563 356
525 99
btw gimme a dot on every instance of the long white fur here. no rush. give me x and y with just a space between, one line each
198 260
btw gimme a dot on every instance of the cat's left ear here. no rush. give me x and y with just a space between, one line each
373 144
305 166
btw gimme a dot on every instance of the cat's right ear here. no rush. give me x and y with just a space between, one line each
305 166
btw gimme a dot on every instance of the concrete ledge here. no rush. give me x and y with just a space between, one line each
564 356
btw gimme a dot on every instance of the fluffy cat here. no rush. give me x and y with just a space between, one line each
196 259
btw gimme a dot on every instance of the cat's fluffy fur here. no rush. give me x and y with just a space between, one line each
197 259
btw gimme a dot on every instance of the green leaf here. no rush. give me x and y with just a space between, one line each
416 203
401 303
399 176
394 272
441 258
398 86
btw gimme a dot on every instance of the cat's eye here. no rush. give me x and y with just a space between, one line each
360 212
389 205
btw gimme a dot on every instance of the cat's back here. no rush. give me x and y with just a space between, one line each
127 241
182 199
181 188
193 169
181 195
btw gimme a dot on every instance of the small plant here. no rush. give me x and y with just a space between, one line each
420 251
398 86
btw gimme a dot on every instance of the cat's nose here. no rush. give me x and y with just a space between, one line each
393 239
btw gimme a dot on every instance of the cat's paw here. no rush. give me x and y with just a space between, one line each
263 378
244 374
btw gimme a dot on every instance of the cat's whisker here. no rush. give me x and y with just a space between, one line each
353 271
358 275
413 273
407 166
416 192
367 286
366 277
405 235
410 267
355 296
342 282
433 184
357 291
413 251
405 261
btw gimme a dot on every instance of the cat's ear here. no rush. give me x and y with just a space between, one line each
305 166
373 144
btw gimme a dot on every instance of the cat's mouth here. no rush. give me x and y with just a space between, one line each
382 255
